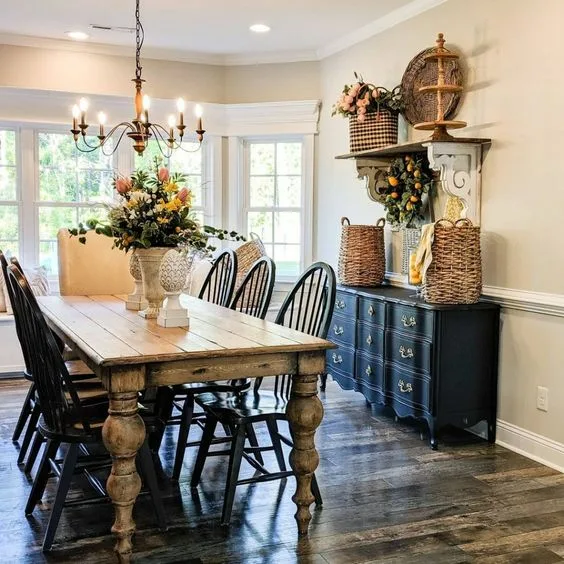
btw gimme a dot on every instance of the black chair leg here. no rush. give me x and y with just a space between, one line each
31 428
185 422
205 443
164 406
235 457
323 378
276 443
148 471
24 413
42 476
254 443
35 446
62 489
315 491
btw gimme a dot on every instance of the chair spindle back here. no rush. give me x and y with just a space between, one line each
60 405
220 282
307 308
255 292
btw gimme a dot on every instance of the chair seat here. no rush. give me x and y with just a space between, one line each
209 387
243 407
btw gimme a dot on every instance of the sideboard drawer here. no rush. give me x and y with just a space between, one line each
345 303
370 339
370 371
342 330
408 389
408 351
411 320
373 311
341 359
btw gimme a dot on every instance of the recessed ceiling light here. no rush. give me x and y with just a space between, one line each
77 35
259 28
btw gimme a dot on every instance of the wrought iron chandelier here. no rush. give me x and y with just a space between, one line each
140 129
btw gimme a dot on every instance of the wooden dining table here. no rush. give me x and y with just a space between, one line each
130 354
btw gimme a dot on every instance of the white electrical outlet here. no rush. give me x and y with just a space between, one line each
542 398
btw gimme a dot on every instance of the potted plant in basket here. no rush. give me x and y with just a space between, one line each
152 215
373 114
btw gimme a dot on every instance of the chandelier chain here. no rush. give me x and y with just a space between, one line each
139 38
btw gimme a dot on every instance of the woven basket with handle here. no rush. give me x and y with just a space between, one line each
379 129
247 254
362 260
455 273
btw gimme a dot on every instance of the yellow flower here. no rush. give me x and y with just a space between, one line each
171 187
162 220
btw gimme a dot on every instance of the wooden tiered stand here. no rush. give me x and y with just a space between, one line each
440 125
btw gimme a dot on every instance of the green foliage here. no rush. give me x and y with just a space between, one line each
408 179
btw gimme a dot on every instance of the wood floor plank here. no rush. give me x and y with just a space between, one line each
388 498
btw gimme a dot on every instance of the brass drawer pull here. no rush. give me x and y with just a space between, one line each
406 353
371 310
369 340
340 304
368 370
405 388
338 330
408 322
337 358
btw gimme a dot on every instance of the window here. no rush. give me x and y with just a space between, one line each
274 201
190 164
9 193
72 186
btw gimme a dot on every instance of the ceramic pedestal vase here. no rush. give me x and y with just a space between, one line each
136 301
172 277
150 262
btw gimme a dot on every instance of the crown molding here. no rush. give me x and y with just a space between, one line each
393 18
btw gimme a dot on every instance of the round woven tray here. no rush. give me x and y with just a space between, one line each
422 106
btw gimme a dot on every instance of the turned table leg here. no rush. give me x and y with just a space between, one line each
305 413
123 433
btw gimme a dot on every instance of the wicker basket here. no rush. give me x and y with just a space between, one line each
362 260
247 254
455 273
379 129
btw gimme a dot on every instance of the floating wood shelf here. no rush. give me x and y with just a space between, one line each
458 161
412 147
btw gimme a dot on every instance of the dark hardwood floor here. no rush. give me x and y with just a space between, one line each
387 498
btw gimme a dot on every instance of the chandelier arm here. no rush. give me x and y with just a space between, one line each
100 145
158 135
159 128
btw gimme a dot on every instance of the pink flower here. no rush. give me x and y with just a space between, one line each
163 174
346 107
361 117
376 93
349 99
123 185
182 194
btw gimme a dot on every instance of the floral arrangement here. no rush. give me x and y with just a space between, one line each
152 209
361 98
408 178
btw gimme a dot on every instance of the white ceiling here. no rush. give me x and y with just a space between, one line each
200 29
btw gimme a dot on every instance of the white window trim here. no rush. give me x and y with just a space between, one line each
241 202
27 187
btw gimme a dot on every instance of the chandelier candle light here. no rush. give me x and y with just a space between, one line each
140 129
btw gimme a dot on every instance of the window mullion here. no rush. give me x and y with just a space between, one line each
28 197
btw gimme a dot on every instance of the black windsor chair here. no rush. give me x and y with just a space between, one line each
307 308
65 419
253 298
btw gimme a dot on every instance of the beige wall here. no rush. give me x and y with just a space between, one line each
67 71
514 96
